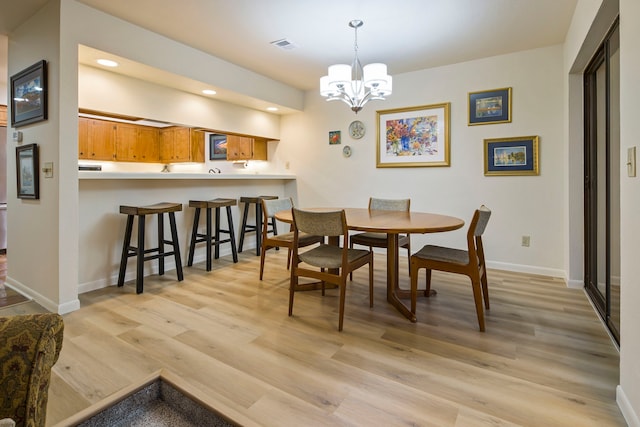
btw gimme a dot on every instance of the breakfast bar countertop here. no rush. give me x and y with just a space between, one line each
182 175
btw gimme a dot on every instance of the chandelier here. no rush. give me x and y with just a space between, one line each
354 84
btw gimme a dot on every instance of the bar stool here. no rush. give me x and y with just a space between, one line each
139 251
257 227
207 236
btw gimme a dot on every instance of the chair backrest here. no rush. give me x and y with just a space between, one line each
477 227
389 204
270 207
483 214
328 223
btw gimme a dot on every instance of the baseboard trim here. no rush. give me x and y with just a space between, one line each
530 269
152 269
628 413
45 302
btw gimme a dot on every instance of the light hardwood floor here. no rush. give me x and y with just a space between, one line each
544 360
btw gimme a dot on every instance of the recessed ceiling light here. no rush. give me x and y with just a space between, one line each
209 92
272 109
107 62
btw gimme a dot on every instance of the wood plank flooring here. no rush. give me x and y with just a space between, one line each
7 295
544 360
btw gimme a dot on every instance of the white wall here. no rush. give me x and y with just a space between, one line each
111 92
629 390
522 205
44 234
4 75
33 232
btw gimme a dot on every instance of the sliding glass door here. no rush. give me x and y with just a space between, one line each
602 179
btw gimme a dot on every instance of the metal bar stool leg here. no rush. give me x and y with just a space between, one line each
208 239
140 255
176 246
194 236
125 250
232 237
217 235
160 244
244 226
258 228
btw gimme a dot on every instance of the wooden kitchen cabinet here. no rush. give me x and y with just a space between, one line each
3 115
135 143
180 144
96 139
246 148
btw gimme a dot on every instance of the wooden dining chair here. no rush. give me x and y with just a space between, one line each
330 263
469 262
269 209
379 240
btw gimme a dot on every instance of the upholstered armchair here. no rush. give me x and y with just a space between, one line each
29 346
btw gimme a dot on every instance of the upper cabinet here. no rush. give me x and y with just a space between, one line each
96 139
246 148
130 142
136 143
181 144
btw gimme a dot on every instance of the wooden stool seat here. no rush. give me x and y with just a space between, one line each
139 251
257 227
212 235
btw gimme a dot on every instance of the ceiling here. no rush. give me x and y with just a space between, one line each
407 35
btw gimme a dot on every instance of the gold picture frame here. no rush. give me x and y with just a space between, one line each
413 136
512 156
489 107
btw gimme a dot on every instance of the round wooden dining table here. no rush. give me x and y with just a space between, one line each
392 223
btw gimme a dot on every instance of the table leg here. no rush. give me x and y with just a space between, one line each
393 286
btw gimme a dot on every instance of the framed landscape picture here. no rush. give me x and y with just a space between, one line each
29 95
27 170
413 137
217 147
511 156
490 107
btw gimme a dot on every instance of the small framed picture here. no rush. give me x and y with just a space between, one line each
217 147
334 137
511 156
29 95
490 107
27 170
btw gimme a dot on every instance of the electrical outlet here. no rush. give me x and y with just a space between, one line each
526 240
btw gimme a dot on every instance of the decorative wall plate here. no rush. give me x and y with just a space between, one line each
356 129
346 151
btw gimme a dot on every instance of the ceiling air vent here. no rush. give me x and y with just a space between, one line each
284 44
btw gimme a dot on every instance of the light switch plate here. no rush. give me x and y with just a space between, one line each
48 170
631 161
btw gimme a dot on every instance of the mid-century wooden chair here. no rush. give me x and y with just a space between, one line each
379 240
469 262
330 263
285 240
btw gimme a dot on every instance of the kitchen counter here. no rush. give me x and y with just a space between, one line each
181 175
101 226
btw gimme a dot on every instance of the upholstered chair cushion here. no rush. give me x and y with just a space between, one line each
29 347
